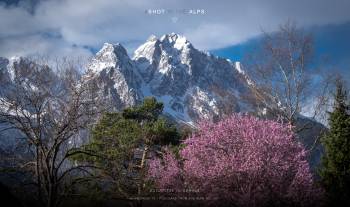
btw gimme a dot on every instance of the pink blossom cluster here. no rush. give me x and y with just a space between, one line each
242 160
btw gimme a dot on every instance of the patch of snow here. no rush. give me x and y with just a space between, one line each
238 68
146 50
180 43
11 68
8 108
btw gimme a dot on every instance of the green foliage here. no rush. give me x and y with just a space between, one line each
162 133
112 139
117 135
149 111
335 173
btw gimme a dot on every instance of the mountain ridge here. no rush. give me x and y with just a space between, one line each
192 84
195 85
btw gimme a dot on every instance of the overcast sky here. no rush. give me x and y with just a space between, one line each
76 27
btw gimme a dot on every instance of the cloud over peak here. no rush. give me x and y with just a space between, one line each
71 27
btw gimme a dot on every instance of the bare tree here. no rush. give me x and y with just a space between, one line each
50 111
282 75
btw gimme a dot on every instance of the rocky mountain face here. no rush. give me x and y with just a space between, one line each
22 71
116 76
193 85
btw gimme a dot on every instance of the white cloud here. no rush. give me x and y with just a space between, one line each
37 45
92 22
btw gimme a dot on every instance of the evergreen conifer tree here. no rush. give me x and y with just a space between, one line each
335 173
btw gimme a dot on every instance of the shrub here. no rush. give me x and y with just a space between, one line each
243 161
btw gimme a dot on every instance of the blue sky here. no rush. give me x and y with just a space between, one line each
80 27
331 41
331 48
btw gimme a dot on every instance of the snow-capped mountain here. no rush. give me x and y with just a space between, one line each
116 76
19 78
192 84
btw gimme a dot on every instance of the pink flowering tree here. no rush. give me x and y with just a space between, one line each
241 160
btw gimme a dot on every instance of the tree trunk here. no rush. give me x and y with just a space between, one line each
142 165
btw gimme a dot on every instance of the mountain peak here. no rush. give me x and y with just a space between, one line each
176 40
172 37
152 38
108 56
171 43
112 48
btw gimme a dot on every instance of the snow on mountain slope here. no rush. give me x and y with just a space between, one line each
116 76
24 72
193 85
